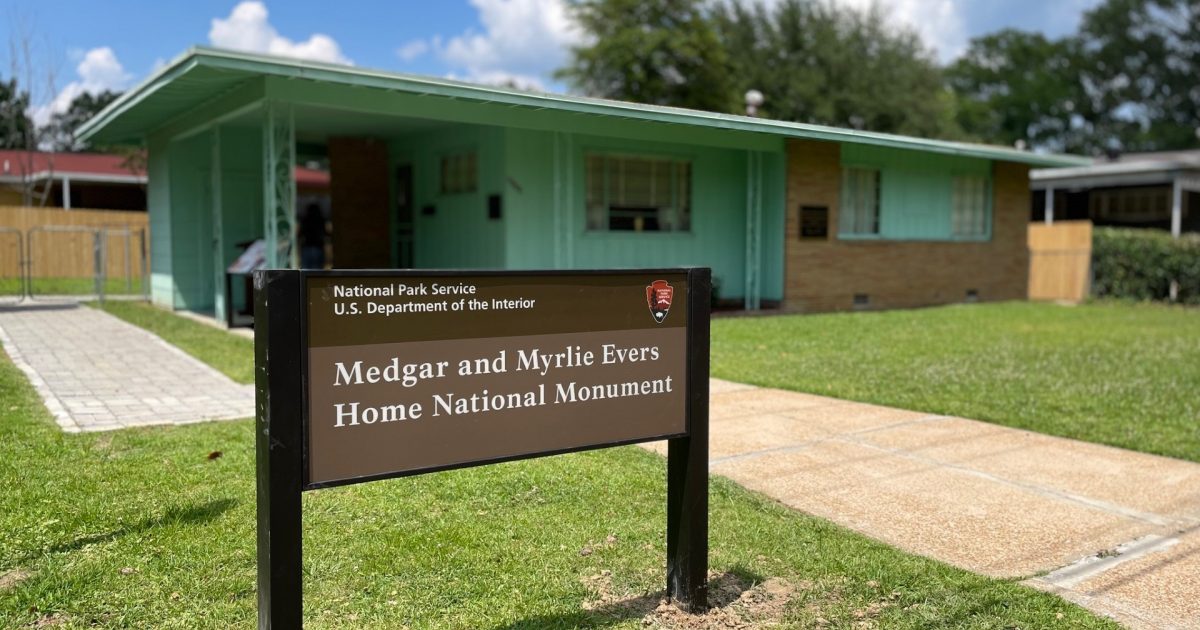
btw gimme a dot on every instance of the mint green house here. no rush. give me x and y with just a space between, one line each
431 173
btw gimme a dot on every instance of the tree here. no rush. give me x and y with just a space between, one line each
60 131
1143 64
1126 81
817 62
661 52
15 126
1015 86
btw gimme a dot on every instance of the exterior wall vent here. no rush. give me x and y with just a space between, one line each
972 295
862 301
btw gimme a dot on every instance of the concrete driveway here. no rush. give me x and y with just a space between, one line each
1113 530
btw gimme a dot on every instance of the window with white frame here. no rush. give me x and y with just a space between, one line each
859 212
637 193
969 207
460 173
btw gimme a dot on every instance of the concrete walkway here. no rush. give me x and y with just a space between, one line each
1113 530
96 372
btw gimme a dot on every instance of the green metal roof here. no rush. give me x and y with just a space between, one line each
202 75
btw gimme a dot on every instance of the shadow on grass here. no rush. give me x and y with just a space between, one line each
174 515
723 590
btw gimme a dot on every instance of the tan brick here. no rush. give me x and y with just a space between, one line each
825 275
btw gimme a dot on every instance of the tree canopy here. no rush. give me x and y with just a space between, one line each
662 52
60 132
15 126
1015 86
814 61
1127 80
820 63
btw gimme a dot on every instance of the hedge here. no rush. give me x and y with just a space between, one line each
1140 264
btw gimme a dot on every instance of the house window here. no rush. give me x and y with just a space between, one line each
633 193
860 202
460 173
969 207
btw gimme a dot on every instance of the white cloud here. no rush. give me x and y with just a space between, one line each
523 41
98 70
413 49
939 23
247 29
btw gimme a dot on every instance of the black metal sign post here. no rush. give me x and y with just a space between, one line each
281 347
687 465
278 445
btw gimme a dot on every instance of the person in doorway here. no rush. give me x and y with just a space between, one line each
312 238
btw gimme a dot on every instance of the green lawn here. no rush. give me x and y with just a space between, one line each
1115 373
69 286
228 353
140 528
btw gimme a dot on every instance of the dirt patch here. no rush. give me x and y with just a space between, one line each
49 621
734 604
13 578
829 602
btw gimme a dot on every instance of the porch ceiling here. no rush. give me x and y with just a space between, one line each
318 124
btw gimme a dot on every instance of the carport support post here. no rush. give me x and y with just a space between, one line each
278 444
687 464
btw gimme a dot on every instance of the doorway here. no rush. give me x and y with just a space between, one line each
404 216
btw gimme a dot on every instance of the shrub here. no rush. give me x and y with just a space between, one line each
1140 264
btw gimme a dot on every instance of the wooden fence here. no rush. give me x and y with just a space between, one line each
1060 261
57 243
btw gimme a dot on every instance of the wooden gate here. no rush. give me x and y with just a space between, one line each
1060 261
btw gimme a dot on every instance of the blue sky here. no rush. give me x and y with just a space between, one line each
114 44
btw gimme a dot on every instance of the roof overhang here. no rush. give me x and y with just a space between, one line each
1114 174
201 75
97 178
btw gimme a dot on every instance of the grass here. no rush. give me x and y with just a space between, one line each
140 528
229 354
1115 373
69 286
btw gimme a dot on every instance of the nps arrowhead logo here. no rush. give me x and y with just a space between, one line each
658 298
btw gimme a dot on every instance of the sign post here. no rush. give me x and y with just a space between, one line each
369 375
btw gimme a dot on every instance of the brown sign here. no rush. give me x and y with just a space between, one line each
412 372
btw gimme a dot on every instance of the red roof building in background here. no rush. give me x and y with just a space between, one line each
94 180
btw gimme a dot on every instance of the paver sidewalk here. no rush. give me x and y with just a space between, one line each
96 372
1113 530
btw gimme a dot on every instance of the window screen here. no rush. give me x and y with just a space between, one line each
969 208
860 201
460 173
631 193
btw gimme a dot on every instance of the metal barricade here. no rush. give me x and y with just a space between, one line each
73 263
124 271
64 263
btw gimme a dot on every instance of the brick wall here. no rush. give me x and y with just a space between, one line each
359 195
825 275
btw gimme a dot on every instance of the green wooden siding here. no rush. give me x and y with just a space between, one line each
774 224
241 220
459 233
916 190
545 213
191 222
158 205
